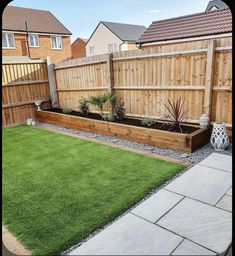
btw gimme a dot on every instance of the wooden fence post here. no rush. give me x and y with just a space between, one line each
110 77
52 82
209 77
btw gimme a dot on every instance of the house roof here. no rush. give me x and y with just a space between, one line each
126 32
83 39
198 24
216 3
39 21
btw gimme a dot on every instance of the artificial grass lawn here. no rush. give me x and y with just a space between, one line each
58 189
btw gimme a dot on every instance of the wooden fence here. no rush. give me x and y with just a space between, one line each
22 84
144 79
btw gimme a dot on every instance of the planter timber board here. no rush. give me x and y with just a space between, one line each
153 137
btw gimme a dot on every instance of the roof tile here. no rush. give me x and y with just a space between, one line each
199 24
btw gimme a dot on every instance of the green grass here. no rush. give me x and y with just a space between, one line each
58 189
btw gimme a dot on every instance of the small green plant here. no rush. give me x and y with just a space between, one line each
112 97
84 107
148 122
176 112
108 117
119 110
98 101
66 110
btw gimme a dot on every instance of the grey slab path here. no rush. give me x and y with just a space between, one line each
189 248
202 183
218 161
190 216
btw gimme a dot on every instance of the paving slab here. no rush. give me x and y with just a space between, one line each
201 223
225 203
189 248
202 183
157 205
229 192
218 161
130 235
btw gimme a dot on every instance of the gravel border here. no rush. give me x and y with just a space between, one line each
192 158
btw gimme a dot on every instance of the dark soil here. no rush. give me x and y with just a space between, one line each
133 121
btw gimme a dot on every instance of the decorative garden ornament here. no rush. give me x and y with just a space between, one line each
219 138
38 103
33 122
204 120
29 121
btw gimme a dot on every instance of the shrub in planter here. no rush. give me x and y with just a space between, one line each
148 122
108 117
176 112
84 107
98 101
119 110
66 110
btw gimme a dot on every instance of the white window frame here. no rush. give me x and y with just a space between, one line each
112 47
92 52
34 46
7 40
56 48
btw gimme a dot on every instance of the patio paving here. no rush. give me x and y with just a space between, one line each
190 216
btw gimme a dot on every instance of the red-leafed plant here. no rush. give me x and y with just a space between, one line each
177 112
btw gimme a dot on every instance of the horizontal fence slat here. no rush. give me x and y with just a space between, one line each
82 89
160 88
158 55
80 64
18 104
25 83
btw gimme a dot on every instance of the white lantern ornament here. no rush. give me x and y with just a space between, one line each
204 120
219 138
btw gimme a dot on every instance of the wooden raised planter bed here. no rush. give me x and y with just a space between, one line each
154 137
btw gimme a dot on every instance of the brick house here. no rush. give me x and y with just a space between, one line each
46 35
79 48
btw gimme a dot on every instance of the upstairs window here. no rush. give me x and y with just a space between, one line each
112 47
8 40
56 42
33 40
92 50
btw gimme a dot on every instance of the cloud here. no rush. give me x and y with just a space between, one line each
165 10
154 11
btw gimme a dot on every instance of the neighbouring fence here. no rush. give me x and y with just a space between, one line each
22 84
144 79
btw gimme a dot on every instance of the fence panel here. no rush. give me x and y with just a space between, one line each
22 84
200 72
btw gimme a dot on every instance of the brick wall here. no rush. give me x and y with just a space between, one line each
42 51
78 49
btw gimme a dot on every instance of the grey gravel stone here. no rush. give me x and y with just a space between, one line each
193 158
184 155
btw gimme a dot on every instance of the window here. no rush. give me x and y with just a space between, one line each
8 40
92 50
56 42
112 47
33 41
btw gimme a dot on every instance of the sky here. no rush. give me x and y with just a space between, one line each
82 16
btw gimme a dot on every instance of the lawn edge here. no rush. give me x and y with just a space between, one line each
157 156
12 244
